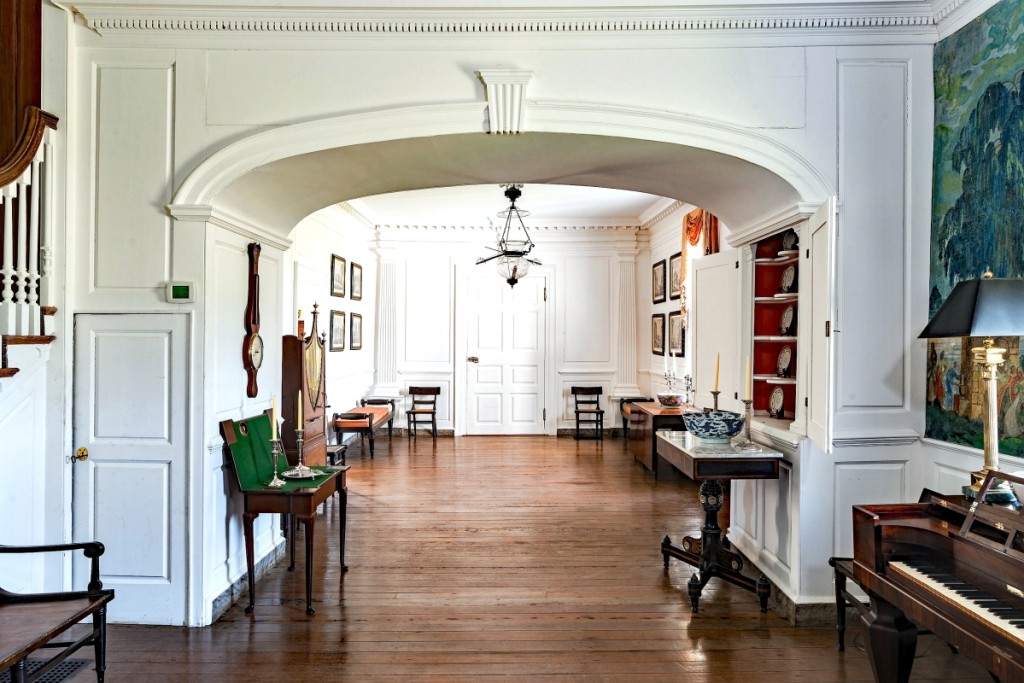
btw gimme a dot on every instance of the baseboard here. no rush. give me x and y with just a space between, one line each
236 590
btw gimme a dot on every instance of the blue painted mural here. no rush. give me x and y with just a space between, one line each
977 211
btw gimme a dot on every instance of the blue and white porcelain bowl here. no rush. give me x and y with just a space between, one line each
717 426
670 399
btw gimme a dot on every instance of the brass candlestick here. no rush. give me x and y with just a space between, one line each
714 398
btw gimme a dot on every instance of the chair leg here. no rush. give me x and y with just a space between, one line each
433 426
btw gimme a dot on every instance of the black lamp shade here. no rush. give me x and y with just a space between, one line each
985 307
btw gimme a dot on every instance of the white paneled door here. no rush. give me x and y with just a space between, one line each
130 494
505 336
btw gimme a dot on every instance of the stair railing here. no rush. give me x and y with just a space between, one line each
26 230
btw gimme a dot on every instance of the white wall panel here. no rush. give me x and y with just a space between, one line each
587 328
331 79
776 516
427 311
134 175
872 106
229 269
862 483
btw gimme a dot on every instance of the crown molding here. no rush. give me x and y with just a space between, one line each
667 209
108 18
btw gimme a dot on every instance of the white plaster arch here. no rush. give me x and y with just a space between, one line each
240 167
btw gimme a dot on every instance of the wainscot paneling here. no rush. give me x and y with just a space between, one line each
862 483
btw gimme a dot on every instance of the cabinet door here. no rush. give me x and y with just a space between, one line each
819 298
716 324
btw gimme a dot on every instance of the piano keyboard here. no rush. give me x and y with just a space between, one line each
976 602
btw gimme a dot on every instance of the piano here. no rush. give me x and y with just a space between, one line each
948 564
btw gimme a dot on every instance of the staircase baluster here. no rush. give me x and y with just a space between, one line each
7 265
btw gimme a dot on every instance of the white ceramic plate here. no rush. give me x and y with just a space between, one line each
786 320
787 279
775 402
783 361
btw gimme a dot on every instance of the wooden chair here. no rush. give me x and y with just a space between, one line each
588 411
423 409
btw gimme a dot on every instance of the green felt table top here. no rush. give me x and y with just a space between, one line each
248 442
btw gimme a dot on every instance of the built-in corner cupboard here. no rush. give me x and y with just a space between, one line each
769 300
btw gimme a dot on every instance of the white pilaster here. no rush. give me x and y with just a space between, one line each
625 375
386 348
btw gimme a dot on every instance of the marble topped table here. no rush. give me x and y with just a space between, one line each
710 463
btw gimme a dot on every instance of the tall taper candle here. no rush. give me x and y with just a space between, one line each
750 378
273 418
298 413
718 364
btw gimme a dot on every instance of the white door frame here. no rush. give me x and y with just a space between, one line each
461 376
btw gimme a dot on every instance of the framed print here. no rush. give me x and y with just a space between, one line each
357 282
658 333
675 275
337 275
356 342
676 334
337 330
658 282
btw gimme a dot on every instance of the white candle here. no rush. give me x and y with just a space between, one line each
673 365
298 411
273 418
718 364
750 378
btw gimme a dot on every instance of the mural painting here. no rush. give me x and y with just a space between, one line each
977 213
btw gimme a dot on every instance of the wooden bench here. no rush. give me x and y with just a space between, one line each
626 410
29 622
365 420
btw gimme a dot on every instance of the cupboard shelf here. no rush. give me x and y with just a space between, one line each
780 260
773 338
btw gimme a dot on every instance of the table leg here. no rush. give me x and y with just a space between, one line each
308 523
343 507
99 642
291 529
371 444
247 519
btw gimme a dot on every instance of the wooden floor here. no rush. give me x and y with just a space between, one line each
506 559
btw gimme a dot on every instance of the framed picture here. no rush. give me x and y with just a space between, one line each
337 330
658 282
356 342
337 275
676 334
357 282
658 332
675 275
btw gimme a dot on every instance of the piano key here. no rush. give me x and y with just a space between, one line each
979 603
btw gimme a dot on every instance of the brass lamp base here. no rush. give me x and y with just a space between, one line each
999 492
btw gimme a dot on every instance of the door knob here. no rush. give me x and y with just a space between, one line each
473 359
81 455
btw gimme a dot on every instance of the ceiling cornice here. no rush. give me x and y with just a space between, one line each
143 18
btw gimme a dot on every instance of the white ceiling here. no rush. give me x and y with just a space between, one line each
478 205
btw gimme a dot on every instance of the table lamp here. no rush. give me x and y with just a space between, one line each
986 307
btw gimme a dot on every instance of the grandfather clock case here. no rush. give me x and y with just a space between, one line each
302 378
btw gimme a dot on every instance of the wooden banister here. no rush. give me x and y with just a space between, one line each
36 121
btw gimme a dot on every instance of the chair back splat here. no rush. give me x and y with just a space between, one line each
422 409
588 411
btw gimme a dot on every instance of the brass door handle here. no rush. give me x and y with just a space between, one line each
81 455
473 359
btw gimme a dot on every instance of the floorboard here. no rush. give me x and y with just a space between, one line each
503 559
